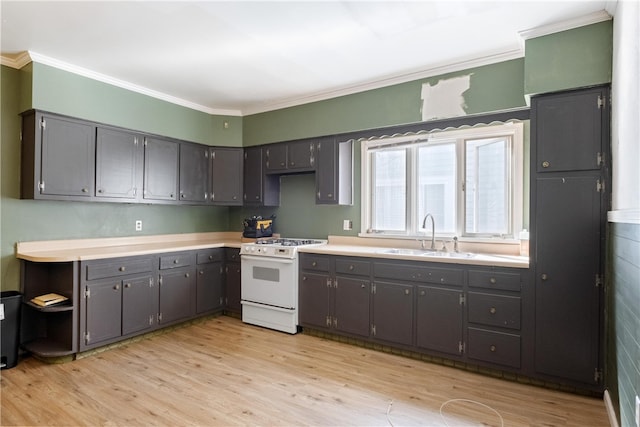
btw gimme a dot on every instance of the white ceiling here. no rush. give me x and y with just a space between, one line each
243 57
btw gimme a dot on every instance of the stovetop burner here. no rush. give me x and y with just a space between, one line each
288 242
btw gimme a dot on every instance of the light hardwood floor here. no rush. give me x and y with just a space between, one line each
223 372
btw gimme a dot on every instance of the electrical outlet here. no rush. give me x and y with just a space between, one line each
347 224
138 225
637 411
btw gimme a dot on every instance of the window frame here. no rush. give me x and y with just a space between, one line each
514 130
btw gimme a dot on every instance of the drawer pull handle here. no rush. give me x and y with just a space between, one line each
201 272
116 288
175 261
210 257
544 276
442 280
493 280
351 267
314 264
492 310
545 164
122 268
186 275
127 285
406 291
362 286
492 348
304 278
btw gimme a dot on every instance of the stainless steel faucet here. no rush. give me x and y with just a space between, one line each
433 231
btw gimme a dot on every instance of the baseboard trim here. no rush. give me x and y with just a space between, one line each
613 420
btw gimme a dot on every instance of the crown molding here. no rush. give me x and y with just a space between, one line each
387 81
15 61
569 24
55 63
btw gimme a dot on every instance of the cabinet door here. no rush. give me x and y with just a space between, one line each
253 176
194 173
314 300
568 130
232 287
209 287
276 157
439 319
226 176
326 172
160 169
300 155
118 164
68 157
177 294
351 305
139 304
567 265
393 312
103 311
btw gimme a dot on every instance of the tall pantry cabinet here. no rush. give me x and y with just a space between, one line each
569 201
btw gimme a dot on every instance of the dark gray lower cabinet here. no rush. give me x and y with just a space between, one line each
393 312
351 305
103 311
232 281
209 287
139 304
439 324
177 294
314 300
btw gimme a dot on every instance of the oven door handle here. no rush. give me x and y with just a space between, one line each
266 258
265 306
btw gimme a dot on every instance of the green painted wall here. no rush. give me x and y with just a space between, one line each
570 59
24 220
62 92
493 87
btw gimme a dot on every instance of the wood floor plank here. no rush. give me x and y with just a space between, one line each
223 372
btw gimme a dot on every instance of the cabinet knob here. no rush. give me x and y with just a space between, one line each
442 280
493 280
351 267
329 195
544 276
100 190
304 278
210 257
200 272
492 310
186 275
422 293
175 261
122 268
85 190
258 197
406 292
314 264
127 285
363 286
492 348
545 164
292 163
235 197
116 288
282 164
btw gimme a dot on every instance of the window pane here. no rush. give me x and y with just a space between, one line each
487 192
389 190
437 185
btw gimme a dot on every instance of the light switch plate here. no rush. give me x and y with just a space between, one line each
138 225
347 224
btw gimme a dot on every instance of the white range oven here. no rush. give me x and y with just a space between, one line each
269 288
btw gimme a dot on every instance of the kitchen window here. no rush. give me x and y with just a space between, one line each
470 180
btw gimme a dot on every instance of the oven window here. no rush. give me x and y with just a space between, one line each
268 274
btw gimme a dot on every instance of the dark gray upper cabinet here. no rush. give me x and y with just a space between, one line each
58 157
194 173
334 172
570 184
119 164
259 189
290 157
227 176
569 130
160 169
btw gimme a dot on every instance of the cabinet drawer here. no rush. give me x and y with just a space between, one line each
314 263
347 266
494 347
118 267
175 260
209 255
232 254
494 310
444 276
494 280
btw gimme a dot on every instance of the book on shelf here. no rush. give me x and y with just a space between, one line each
48 299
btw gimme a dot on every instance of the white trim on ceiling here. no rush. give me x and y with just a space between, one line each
26 57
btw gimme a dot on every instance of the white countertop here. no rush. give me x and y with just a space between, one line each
89 249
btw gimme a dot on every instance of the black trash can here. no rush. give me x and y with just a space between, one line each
10 328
